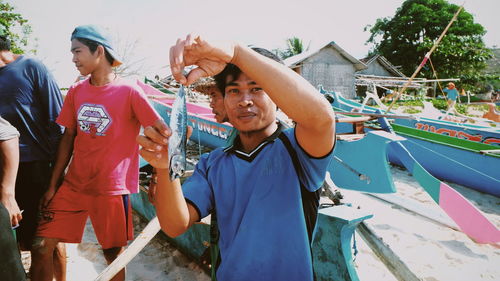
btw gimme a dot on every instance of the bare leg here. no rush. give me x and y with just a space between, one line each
110 255
42 258
60 262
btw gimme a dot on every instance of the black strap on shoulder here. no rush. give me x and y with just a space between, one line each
214 246
310 200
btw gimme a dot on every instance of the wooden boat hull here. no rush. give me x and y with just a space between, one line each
445 155
487 135
456 164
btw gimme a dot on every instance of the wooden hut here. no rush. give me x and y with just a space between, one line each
379 72
378 65
329 66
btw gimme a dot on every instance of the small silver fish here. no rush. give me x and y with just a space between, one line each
178 139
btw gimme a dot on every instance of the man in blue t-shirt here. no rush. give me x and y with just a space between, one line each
31 101
451 95
263 187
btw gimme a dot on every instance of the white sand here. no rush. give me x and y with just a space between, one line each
431 251
157 261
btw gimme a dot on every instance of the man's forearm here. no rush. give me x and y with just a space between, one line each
171 207
10 162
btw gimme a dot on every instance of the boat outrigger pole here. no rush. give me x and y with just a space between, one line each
424 61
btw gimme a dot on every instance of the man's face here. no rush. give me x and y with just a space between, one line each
248 107
217 105
84 60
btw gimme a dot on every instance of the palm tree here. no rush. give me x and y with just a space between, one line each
294 47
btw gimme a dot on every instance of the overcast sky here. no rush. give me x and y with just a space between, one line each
265 23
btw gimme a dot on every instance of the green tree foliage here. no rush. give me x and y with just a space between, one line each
17 27
295 46
405 39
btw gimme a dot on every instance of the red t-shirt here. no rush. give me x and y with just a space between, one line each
108 119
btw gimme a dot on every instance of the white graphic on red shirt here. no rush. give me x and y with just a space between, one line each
93 119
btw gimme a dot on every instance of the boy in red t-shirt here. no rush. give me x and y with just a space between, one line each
102 116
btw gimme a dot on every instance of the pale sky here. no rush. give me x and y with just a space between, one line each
264 23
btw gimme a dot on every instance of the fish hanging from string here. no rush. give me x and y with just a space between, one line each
178 140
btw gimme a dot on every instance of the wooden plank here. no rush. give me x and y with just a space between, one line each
353 119
377 115
350 137
137 245
397 267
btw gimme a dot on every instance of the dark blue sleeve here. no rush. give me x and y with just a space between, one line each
50 97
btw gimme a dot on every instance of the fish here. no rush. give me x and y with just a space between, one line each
178 140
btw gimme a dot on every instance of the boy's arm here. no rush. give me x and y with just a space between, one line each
174 213
9 158
64 153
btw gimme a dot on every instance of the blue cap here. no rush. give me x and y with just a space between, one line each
97 34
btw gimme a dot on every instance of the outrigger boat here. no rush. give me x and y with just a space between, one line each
352 168
209 133
445 153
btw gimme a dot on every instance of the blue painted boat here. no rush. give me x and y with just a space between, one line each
206 130
471 132
446 156
349 170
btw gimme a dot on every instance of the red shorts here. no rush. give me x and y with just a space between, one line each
67 213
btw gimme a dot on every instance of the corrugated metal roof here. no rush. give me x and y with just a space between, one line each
297 59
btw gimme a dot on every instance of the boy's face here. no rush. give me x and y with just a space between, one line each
84 60
248 107
217 105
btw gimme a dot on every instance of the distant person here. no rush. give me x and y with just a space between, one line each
102 116
451 95
11 268
31 101
264 187
209 87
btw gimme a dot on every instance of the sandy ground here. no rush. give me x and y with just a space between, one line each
433 252
157 261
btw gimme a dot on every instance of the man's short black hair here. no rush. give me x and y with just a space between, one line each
4 43
234 71
92 45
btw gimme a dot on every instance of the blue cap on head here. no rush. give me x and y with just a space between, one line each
97 34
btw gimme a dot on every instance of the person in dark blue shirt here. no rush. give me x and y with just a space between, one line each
31 101
264 186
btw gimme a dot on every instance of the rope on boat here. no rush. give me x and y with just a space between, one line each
439 84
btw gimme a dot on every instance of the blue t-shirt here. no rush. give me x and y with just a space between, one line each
31 101
257 195
451 94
